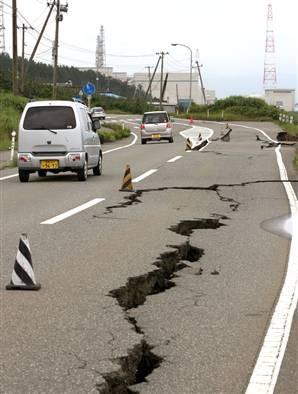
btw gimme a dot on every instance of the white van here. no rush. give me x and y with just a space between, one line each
56 136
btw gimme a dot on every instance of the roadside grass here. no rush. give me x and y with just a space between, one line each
224 116
110 132
11 108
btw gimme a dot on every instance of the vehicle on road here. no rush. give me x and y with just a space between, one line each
98 113
58 136
156 126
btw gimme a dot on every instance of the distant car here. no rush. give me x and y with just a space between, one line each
156 126
98 113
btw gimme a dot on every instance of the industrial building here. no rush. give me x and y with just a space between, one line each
282 98
177 88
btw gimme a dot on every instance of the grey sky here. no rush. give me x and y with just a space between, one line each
228 35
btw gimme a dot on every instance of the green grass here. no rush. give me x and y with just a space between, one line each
113 131
11 108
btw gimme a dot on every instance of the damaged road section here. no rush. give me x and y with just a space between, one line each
141 360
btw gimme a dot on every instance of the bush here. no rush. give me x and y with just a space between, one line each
112 132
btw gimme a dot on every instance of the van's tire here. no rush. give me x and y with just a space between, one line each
83 172
42 173
98 169
24 175
171 140
144 141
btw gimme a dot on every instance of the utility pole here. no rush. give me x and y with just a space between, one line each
153 75
59 18
55 50
162 54
2 28
24 28
38 40
149 78
201 80
14 49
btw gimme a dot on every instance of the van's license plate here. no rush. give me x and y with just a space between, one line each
49 164
155 136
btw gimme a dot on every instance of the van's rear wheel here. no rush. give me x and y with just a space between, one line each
144 141
98 169
83 172
24 175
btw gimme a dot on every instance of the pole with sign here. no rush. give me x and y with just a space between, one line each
89 89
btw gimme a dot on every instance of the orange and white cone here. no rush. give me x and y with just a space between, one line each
190 121
127 181
23 277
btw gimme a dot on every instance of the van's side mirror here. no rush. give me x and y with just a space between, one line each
96 124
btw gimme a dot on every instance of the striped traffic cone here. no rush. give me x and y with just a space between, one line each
127 181
188 144
23 277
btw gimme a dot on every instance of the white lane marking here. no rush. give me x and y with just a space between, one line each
73 211
8 176
122 147
266 370
174 159
145 175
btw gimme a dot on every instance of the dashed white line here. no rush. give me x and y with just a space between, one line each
73 211
143 176
174 159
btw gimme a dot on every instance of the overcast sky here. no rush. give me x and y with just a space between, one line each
228 36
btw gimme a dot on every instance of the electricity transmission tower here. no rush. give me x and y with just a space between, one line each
269 78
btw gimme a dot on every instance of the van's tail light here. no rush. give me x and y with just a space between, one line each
74 157
25 158
142 126
168 125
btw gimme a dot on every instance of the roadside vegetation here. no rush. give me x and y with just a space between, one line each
110 132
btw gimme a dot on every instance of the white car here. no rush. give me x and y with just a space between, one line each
98 113
156 126
57 136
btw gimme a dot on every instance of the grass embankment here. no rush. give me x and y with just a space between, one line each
113 131
11 108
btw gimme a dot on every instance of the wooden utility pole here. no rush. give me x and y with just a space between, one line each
153 75
39 38
162 54
55 51
149 79
15 88
201 80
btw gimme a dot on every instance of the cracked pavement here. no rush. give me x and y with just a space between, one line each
73 336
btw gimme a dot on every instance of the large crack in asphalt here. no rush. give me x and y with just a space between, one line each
140 361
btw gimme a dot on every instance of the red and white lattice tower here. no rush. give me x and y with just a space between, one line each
269 79
2 28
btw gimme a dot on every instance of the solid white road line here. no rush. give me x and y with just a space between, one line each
174 159
143 176
73 211
8 176
122 147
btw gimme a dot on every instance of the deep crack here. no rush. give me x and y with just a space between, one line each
186 227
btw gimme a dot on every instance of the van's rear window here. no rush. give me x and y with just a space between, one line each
49 117
155 118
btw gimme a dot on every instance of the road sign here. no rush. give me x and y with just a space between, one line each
89 89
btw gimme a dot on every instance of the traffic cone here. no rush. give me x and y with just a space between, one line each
188 144
127 181
23 277
190 121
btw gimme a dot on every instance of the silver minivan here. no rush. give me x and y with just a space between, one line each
56 136
156 126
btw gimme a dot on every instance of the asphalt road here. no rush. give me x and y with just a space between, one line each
178 279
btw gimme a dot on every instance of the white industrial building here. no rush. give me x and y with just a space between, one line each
282 98
178 87
107 72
